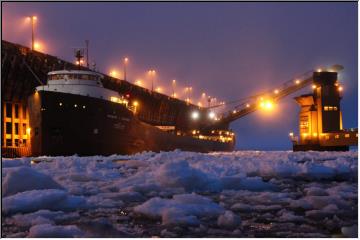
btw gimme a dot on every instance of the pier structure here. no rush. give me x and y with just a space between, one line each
320 120
320 117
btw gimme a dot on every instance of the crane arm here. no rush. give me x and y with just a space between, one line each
257 101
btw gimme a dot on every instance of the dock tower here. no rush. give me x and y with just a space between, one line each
320 119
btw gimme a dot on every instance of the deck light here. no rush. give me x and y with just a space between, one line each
211 115
340 88
291 134
267 105
314 86
195 115
297 81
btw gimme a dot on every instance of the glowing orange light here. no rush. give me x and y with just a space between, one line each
314 86
276 91
113 73
267 105
138 82
37 46
297 81
340 88
126 60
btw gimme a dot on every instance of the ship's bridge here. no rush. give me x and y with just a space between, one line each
78 77
80 82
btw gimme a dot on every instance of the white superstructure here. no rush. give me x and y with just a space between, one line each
79 82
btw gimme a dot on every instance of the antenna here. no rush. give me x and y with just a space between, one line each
79 55
87 53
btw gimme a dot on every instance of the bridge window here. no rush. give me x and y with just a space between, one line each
24 111
16 128
337 136
8 110
16 111
24 129
347 135
8 128
330 108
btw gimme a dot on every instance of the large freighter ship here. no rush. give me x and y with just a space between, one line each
74 114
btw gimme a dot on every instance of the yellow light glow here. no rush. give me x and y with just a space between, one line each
203 95
138 82
297 81
247 105
113 73
60 104
276 91
267 105
212 115
194 132
319 70
340 88
199 104
126 60
174 81
152 72
34 17
291 134
158 89
195 115
28 130
37 46
313 86
114 99
234 111
314 134
135 103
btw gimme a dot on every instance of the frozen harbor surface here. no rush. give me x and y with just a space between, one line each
182 194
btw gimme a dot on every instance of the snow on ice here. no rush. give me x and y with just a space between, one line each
182 194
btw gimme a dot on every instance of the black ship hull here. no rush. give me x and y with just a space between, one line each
67 124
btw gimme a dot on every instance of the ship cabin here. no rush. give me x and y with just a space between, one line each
80 82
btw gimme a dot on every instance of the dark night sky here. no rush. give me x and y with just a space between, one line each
228 50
